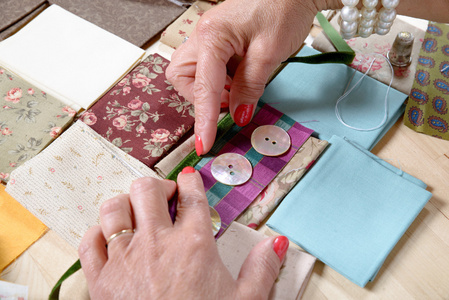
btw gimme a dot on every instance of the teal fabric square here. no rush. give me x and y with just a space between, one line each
212 198
350 210
308 94
219 190
253 156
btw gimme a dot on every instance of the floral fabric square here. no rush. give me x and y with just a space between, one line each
427 107
180 29
142 115
29 120
273 194
65 185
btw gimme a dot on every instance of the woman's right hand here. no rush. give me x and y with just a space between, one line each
263 33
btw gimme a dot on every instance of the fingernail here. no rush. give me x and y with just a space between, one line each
227 87
243 114
188 170
224 104
280 246
198 145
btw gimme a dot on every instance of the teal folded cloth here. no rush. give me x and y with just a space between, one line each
308 94
350 210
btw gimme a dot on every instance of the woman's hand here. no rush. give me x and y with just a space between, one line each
262 32
162 260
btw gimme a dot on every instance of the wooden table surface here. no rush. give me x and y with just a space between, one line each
417 268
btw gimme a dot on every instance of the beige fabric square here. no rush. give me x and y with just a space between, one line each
235 245
175 34
65 185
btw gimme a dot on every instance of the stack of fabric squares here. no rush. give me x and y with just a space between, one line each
350 210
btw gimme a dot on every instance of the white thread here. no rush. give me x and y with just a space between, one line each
346 93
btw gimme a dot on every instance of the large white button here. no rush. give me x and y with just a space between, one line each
231 169
216 220
270 140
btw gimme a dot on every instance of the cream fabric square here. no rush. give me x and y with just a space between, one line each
67 182
237 242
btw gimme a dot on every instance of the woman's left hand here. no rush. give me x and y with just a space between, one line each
162 260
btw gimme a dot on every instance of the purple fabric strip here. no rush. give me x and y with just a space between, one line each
265 168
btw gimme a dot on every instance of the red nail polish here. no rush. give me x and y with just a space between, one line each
188 170
227 87
243 114
280 246
224 104
198 145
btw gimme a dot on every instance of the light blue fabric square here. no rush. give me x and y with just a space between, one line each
308 92
350 210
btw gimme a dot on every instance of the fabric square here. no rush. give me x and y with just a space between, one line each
265 169
20 229
427 108
220 191
181 28
350 210
238 241
273 194
212 198
308 94
30 119
379 44
142 115
65 185
6 33
13 11
135 21
253 156
13 291
72 59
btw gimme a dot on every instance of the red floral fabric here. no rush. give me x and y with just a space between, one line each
142 115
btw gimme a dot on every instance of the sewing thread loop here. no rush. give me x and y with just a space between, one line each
346 93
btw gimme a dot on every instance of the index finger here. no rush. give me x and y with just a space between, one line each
149 199
210 78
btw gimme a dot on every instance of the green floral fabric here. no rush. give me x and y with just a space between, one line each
29 120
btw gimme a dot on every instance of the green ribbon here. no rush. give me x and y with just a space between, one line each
343 55
340 57
54 295
192 159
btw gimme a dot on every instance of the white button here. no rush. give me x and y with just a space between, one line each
270 140
231 169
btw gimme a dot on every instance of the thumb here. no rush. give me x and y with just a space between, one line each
249 83
261 268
